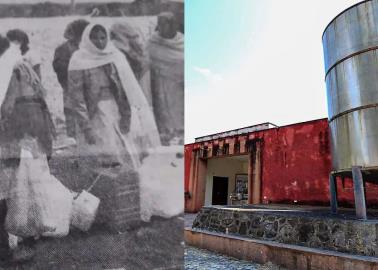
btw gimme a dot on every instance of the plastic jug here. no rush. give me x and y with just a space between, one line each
84 210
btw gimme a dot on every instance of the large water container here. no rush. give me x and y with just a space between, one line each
350 43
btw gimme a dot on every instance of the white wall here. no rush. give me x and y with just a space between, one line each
223 167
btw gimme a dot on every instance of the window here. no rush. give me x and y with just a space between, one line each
226 149
203 152
215 150
237 148
250 146
241 185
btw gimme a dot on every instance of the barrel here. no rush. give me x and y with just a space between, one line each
350 43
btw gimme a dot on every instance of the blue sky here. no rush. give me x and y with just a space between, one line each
218 32
254 61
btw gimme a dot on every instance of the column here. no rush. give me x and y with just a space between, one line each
250 177
359 193
333 192
256 189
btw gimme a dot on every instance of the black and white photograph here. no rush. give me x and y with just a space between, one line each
91 134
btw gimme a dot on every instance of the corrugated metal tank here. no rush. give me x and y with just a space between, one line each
350 44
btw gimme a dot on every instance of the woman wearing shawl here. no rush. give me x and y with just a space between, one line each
166 50
62 57
25 122
115 121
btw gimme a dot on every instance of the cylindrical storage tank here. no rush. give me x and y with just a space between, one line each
350 44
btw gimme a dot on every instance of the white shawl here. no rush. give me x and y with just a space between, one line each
167 56
143 126
8 61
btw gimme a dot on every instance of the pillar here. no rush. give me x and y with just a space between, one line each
242 141
231 145
333 192
201 184
193 181
250 177
256 189
188 201
359 193
198 183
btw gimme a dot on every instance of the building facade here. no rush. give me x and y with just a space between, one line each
265 164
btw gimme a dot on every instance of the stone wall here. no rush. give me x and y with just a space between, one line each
337 234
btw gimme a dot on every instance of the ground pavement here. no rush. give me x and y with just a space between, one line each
199 259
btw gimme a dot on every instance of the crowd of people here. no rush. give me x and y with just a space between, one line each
121 99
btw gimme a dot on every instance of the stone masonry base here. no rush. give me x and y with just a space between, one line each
307 228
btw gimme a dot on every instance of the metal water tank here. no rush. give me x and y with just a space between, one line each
350 44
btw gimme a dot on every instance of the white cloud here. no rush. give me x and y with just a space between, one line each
209 75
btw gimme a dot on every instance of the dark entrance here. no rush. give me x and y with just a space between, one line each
220 190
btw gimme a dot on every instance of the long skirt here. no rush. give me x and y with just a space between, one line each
168 104
111 145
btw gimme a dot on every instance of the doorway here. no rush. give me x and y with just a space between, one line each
220 190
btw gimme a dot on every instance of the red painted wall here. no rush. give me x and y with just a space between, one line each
296 167
345 193
296 163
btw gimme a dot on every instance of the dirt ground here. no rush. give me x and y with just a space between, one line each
156 245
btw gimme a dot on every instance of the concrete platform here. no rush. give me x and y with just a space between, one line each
288 256
189 218
312 227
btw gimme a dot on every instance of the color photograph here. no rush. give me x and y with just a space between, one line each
280 134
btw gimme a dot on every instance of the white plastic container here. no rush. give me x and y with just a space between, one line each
161 186
61 202
84 210
13 241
